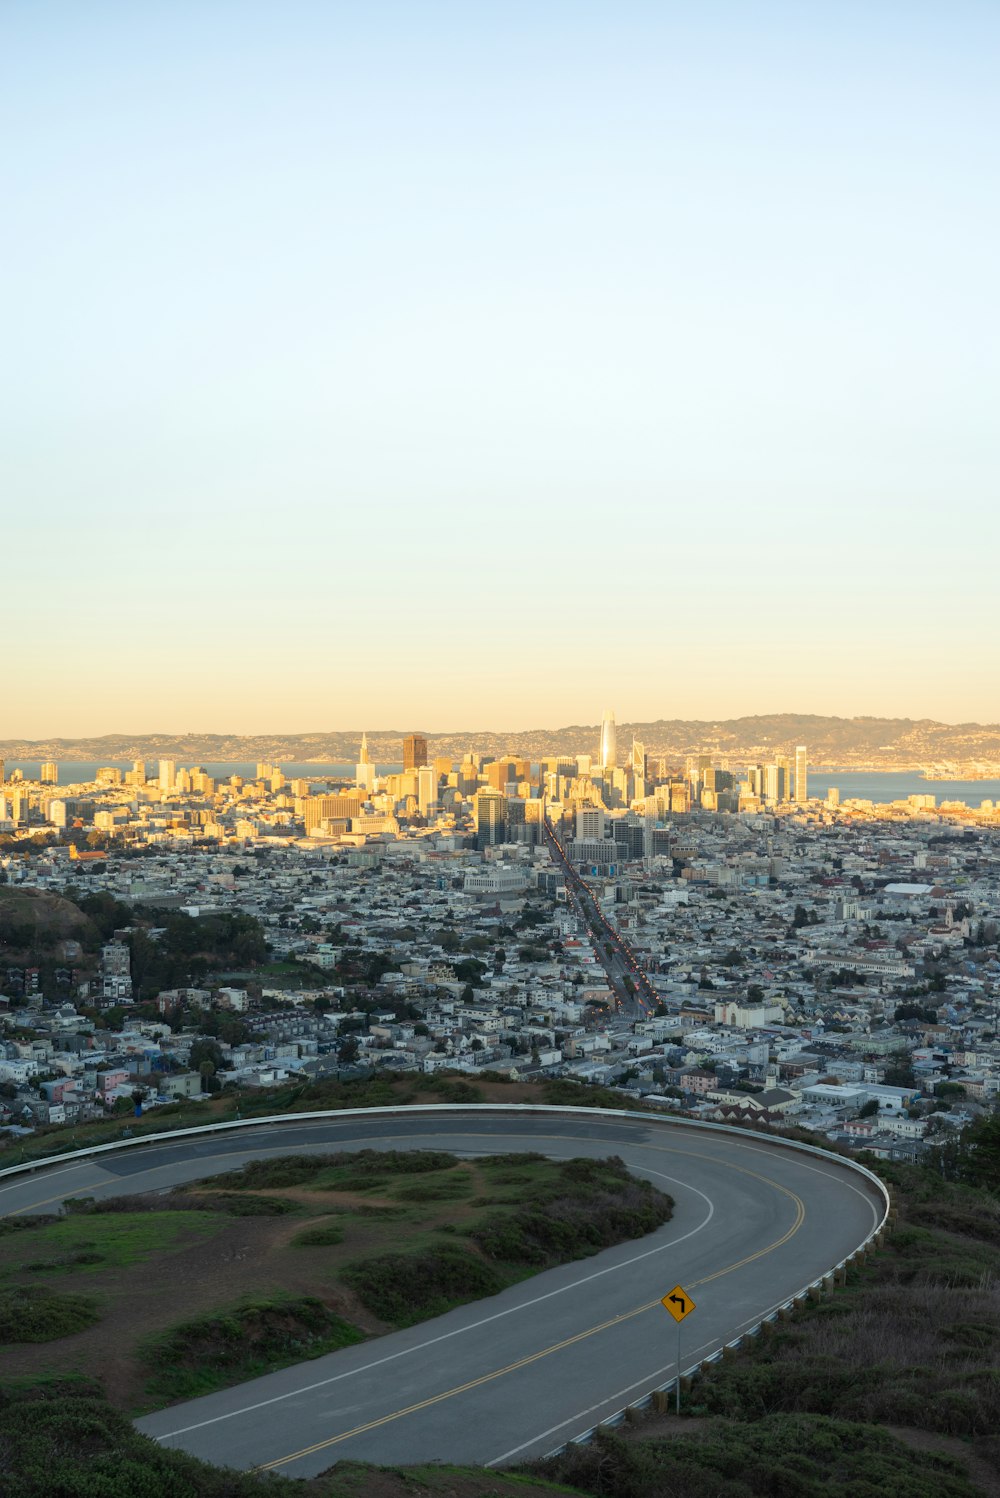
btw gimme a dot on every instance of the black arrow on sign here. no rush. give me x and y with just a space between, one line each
677 1300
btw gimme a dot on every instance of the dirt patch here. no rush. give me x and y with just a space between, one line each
239 1260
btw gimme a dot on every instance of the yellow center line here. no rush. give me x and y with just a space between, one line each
93 1186
473 1383
485 1378
544 1352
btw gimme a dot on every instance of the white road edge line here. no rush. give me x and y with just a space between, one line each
582 1414
461 1330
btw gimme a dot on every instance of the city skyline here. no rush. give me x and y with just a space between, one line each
486 361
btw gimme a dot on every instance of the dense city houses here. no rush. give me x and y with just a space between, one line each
704 936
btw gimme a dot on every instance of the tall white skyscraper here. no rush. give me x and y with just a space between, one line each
801 773
168 774
364 770
609 741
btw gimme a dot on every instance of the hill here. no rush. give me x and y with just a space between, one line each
35 917
841 742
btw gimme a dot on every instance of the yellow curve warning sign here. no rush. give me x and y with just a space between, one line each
678 1303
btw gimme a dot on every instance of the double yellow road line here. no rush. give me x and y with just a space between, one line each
593 1331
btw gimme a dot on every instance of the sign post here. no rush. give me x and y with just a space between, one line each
679 1304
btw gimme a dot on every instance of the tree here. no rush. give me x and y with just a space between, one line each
206 1052
899 1069
973 1157
870 1108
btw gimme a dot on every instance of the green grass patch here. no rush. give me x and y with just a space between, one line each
65 1263
254 1337
445 1188
324 1235
10 1226
34 1313
115 1241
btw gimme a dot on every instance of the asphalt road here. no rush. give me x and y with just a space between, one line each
514 1376
637 1002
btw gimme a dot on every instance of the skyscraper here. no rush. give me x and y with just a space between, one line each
168 774
801 774
427 790
490 810
609 742
50 773
414 751
364 770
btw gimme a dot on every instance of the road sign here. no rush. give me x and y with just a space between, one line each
678 1303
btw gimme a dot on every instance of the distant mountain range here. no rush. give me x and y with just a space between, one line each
837 742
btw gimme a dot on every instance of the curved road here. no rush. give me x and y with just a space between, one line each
514 1376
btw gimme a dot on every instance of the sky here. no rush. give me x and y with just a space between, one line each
476 366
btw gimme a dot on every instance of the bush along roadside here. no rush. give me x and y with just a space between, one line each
910 1339
254 1337
574 1210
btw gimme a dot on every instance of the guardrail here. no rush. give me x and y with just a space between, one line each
657 1398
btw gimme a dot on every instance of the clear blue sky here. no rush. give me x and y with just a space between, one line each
479 364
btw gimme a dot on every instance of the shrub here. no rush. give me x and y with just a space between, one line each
801 1455
250 1338
325 1236
36 1314
404 1288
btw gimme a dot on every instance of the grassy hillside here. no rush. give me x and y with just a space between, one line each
887 1387
291 1257
35 918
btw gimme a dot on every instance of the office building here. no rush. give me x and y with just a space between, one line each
414 751
589 824
427 790
491 818
364 770
609 741
50 773
801 774
341 807
167 774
